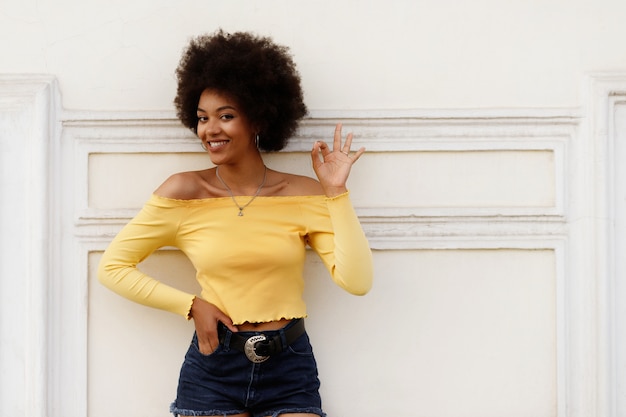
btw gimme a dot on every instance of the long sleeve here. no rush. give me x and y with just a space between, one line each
153 228
250 267
345 251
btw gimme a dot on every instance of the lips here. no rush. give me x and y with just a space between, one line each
217 143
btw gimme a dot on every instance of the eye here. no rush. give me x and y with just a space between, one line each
227 117
202 119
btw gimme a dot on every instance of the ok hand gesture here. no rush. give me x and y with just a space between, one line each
332 167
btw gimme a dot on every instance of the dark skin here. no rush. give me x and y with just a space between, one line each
229 139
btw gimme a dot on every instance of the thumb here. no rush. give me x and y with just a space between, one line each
227 321
315 154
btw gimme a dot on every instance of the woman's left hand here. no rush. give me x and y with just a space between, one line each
333 167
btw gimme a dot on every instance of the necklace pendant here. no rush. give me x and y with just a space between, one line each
232 196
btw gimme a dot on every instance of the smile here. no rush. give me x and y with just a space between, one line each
217 143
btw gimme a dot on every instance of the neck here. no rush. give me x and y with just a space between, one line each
241 181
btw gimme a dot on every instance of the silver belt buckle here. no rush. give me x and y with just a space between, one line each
251 353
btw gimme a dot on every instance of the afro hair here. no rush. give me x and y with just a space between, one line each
259 74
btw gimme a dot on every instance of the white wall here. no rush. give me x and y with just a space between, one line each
486 195
353 54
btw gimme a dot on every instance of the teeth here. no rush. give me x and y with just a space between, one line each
220 143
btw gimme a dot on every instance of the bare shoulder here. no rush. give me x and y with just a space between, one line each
295 185
183 186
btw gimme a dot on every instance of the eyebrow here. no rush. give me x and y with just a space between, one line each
227 107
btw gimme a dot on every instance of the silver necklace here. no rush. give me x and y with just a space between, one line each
217 174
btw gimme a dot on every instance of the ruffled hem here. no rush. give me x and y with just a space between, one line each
258 321
347 193
188 315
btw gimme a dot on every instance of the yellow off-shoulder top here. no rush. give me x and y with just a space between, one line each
251 266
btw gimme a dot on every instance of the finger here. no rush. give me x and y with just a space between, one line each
213 343
206 348
357 155
208 340
347 144
322 148
337 138
315 155
227 321
205 343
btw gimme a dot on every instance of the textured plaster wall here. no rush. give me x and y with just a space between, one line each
483 319
120 55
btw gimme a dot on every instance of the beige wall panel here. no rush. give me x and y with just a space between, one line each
125 180
135 352
447 333
478 326
498 178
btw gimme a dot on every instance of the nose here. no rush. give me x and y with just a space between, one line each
214 126
208 128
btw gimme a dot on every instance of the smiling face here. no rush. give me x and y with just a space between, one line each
223 128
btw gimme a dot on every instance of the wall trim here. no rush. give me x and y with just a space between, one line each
579 228
607 92
30 257
403 228
416 131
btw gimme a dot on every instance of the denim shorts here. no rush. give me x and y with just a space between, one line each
225 382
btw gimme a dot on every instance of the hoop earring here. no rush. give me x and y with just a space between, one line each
203 145
256 140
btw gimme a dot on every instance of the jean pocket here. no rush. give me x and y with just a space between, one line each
196 348
301 346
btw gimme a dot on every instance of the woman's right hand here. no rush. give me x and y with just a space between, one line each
206 318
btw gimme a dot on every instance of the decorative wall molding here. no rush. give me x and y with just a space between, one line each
44 163
607 130
29 255
404 228
448 131
578 228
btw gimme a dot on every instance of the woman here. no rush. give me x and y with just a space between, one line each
245 228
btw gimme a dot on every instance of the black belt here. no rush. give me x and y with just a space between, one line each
260 347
